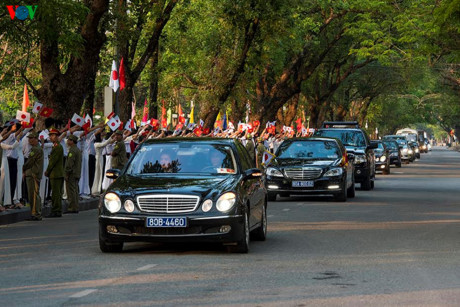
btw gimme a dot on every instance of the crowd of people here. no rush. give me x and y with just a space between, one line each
68 162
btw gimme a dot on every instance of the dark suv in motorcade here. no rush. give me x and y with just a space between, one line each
395 152
358 146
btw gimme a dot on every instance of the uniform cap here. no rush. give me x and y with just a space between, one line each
73 138
119 132
53 131
33 134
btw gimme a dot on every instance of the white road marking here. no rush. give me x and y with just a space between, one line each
397 172
270 215
146 267
83 293
286 209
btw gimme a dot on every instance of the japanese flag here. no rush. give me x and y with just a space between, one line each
37 107
113 123
114 82
23 116
201 123
128 125
78 120
267 157
231 126
44 135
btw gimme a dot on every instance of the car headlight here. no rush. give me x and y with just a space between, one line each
404 151
226 202
417 150
129 205
411 151
383 158
112 202
360 159
333 172
207 205
271 171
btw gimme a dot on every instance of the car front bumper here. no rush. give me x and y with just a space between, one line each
199 229
331 185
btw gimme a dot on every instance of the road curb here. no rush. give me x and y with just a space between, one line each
12 216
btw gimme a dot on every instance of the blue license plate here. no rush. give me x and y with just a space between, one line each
303 184
166 222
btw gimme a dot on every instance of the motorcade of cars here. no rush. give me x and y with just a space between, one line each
382 157
185 190
315 165
407 154
358 146
417 136
395 152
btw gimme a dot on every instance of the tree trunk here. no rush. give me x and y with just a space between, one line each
65 93
153 88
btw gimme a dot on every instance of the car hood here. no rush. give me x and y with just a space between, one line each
300 162
175 184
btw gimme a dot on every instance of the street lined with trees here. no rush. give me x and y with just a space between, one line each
276 60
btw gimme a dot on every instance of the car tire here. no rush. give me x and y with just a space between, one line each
398 164
366 184
351 192
386 171
342 196
242 245
372 183
260 233
109 247
271 196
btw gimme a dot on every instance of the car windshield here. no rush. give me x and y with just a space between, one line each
185 157
318 150
391 145
348 137
380 147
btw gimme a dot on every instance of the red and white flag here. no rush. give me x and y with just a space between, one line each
267 157
78 120
88 120
128 125
23 116
114 82
37 107
113 123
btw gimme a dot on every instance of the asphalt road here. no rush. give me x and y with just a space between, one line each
397 245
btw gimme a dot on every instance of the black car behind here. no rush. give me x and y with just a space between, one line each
382 158
181 190
395 152
311 166
358 144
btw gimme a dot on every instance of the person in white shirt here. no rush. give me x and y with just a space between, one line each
5 180
99 145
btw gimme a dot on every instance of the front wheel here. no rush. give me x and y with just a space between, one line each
398 164
242 245
351 190
260 233
366 184
342 195
109 247
271 196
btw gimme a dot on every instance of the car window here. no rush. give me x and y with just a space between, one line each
348 137
324 150
245 159
187 157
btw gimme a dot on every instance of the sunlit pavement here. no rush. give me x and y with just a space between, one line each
396 245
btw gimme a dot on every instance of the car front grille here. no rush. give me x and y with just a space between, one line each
304 173
167 203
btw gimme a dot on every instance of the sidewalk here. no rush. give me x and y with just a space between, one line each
10 216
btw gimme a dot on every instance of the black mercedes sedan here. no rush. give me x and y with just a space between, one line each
382 158
182 190
315 165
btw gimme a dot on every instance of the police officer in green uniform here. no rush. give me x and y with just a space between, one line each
250 147
72 172
33 171
119 158
55 172
260 152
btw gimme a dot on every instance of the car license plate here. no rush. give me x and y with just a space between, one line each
166 222
303 184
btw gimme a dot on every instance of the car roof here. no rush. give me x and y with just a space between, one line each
205 140
341 128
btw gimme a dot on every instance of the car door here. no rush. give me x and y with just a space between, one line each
253 187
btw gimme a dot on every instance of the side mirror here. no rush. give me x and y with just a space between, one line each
350 157
112 173
373 145
253 173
